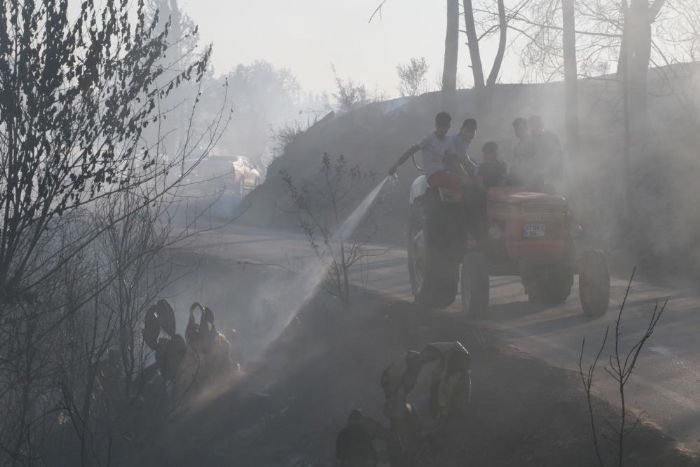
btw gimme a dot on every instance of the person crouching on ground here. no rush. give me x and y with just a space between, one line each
354 446
492 171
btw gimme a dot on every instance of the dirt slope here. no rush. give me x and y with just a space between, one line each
288 410
375 135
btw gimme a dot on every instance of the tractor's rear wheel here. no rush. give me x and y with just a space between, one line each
474 284
594 283
433 273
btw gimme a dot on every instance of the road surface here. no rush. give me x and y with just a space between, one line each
665 386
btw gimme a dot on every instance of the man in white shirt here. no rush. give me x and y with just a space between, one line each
436 148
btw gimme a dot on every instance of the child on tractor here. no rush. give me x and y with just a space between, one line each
492 171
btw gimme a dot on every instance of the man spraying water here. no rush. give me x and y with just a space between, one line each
448 169
436 149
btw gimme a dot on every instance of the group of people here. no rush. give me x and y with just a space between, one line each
202 357
536 164
537 156
413 440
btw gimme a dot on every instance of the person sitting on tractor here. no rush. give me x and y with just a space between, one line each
492 171
547 151
523 153
459 160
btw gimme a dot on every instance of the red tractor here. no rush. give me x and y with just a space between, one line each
529 234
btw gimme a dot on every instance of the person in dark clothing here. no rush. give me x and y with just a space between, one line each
354 446
524 150
548 154
492 171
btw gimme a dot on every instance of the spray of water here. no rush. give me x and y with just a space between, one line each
350 225
292 296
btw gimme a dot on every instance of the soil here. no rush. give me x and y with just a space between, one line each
290 405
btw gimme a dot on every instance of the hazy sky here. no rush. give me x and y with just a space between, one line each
308 36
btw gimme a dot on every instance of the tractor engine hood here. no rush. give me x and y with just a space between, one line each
519 195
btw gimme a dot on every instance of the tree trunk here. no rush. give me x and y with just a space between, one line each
449 73
638 24
635 56
503 28
473 43
570 77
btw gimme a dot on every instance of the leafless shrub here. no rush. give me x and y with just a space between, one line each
620 367
286 135
321 208
349 95
412 77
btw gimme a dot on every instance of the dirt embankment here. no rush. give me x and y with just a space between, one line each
664 172
291 405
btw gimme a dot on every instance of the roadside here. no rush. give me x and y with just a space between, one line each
298 391
665 386
291 405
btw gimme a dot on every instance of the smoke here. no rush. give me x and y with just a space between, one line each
664 180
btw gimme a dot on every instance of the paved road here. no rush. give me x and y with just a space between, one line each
666 386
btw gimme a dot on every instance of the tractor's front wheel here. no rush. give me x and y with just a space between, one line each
594 283
474 284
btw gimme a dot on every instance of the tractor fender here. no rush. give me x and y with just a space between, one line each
418 188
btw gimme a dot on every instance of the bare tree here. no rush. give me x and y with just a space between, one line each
478 29
78 96
321 208
412 77
653 27
349 94
74 143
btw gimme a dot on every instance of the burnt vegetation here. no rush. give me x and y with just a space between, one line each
109 110
86 196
